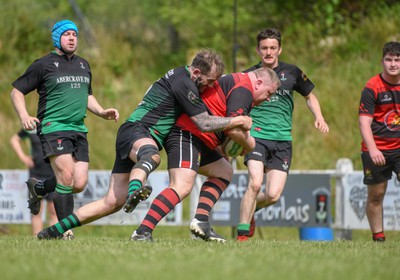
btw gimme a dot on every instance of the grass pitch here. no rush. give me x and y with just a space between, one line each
105 253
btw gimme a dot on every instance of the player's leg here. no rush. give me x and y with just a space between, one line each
374 209
145 154
111 203
40 188
219 172
51 211
134 142
182 167
247 205
63 167
376 178
37 221
256 161
277 168
275 183
181 184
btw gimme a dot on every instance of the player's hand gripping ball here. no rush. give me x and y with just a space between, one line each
231 148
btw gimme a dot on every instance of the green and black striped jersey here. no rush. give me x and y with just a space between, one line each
272 120
63 85
165 100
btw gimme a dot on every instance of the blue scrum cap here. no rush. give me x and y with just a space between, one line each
58 30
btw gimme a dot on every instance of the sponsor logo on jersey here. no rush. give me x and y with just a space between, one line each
386 98
56 63
169 73
73 79
191 96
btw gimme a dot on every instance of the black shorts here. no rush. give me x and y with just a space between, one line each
185 150
374 174
65 142
128 133
273 154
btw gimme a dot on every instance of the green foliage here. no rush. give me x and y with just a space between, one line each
337 43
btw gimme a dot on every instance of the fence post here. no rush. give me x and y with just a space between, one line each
343 167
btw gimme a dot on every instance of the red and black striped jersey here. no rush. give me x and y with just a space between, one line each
380 100
231 95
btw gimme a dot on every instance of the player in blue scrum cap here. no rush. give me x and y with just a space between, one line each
59 29
63 81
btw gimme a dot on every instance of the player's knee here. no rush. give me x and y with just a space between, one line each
148 159
80 184
113 203
65 178
224 173
255 187
273 198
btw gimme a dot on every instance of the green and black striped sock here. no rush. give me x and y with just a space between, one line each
243 229
134 185
65 224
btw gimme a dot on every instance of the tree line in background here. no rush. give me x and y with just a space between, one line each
131 43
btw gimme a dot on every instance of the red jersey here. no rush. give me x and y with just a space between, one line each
231 95
381 101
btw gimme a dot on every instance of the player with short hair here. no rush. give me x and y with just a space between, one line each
379 115
191 151
141 137
272 129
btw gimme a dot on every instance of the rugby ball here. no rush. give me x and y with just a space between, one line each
231 148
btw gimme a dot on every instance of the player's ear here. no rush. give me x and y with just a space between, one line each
259 83
196 72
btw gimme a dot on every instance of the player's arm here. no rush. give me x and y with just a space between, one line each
315 108
239 103
368 137
243 138
107 114
18 100
207 123
15 142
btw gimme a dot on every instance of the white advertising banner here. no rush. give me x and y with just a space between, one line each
355 199
14 196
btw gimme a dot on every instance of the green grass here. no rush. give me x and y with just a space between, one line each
100 252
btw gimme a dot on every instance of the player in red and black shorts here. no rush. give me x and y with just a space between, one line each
142 135
191 151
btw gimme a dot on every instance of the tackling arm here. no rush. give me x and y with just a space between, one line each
243 138
207 123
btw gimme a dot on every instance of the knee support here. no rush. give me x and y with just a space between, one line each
145 160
